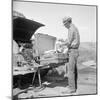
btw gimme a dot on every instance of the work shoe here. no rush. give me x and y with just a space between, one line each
68 90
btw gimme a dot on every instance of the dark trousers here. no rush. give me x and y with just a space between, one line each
72 68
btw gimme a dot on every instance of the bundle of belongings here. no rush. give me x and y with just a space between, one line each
58 55
24 59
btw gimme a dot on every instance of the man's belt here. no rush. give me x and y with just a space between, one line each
73 48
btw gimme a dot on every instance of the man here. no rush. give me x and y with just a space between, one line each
72 43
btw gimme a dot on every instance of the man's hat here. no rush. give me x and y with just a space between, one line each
67 19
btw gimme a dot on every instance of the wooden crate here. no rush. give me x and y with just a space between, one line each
55 58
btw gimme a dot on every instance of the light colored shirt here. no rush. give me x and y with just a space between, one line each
73 37
35 51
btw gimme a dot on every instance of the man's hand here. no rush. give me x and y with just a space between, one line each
66 43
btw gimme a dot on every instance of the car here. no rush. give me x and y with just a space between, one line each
23 30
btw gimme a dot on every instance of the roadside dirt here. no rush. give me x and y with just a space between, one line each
55 84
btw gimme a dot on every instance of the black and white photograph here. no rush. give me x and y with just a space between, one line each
54 49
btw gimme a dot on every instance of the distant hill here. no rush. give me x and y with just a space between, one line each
87 51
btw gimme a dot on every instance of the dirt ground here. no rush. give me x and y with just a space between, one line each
54 84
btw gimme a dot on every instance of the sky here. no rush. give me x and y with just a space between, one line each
51 15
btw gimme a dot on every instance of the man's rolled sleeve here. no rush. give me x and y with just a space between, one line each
70 39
